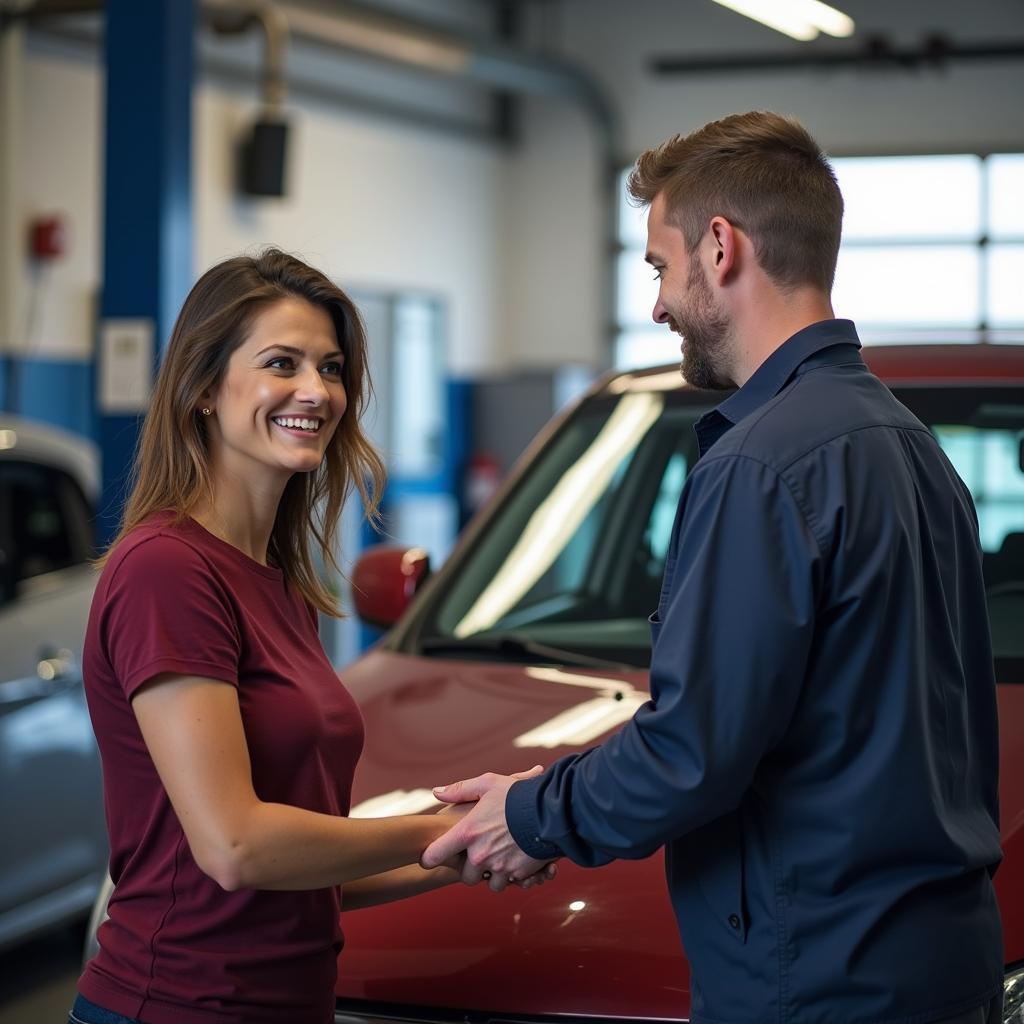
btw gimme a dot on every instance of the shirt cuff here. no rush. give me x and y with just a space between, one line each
523 822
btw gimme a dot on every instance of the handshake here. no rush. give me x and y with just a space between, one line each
480 845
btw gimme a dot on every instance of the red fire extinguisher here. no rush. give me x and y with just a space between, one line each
481 480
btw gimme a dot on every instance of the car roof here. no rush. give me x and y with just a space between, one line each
979 363
22 438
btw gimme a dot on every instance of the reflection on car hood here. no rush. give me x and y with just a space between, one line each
592 942
1010 876
575 941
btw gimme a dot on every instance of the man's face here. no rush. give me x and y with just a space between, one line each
687 304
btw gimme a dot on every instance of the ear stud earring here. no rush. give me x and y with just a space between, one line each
207 410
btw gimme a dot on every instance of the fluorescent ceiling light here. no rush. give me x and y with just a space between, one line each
800 19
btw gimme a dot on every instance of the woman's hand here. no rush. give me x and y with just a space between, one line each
458 861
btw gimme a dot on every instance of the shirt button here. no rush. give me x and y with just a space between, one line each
734 921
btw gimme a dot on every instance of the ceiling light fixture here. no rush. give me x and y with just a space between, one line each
800 19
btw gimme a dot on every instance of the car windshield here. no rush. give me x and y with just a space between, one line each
570 566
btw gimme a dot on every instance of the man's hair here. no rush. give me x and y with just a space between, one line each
763 173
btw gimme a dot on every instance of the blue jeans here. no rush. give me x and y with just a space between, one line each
84 1012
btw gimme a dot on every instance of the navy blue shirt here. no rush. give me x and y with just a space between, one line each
819 755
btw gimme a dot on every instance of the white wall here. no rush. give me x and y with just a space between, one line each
960 106
554 307
59 143
511 239
554 280
373 204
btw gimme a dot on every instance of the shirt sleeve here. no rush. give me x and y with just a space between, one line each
167 611
732 638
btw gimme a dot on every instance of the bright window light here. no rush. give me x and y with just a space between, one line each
632 219
1006 195
638 349
638 289
911 197
1005 290
933 251
909 285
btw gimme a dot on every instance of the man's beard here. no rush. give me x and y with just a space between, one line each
705 332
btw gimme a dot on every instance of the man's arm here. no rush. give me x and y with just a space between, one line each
730 653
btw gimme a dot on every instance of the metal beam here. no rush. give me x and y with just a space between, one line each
876 54
147 257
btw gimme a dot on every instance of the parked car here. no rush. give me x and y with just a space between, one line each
533 642
53 852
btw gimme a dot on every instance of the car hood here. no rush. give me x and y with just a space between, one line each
592 942
600 942
1009 880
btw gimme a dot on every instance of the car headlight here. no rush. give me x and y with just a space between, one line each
1013 995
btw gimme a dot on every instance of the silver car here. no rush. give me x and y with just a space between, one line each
53 851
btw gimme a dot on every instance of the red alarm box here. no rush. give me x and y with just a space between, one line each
48 237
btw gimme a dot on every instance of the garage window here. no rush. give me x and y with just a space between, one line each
933 250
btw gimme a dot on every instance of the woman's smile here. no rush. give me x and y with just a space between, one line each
288 374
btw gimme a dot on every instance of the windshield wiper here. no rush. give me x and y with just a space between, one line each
512 646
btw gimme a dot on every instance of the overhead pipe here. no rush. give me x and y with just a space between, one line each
262 153
877 54
399 39
362 29
230 17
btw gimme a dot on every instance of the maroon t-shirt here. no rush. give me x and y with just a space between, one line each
178 949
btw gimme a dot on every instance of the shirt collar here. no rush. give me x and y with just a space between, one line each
774 374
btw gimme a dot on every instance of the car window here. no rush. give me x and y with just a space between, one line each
981 430
44 518
573 559
988 461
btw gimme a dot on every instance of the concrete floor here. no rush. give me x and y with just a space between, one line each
37 980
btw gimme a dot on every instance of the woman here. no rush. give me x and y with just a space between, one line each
228 743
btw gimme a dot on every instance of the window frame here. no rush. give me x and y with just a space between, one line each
985 244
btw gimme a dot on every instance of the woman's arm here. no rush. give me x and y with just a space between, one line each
412 880
395 885
193 730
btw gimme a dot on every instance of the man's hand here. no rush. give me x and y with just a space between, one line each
491 852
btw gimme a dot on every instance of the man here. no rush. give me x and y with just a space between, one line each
819 755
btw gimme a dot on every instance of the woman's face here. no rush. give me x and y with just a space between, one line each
281 397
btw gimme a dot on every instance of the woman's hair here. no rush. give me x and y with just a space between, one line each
765 174
172 462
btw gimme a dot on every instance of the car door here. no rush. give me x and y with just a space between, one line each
53 852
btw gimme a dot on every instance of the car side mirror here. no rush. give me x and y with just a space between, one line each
384 581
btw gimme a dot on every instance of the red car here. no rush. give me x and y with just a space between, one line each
532 642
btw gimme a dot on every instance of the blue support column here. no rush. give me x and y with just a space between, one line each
147 251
